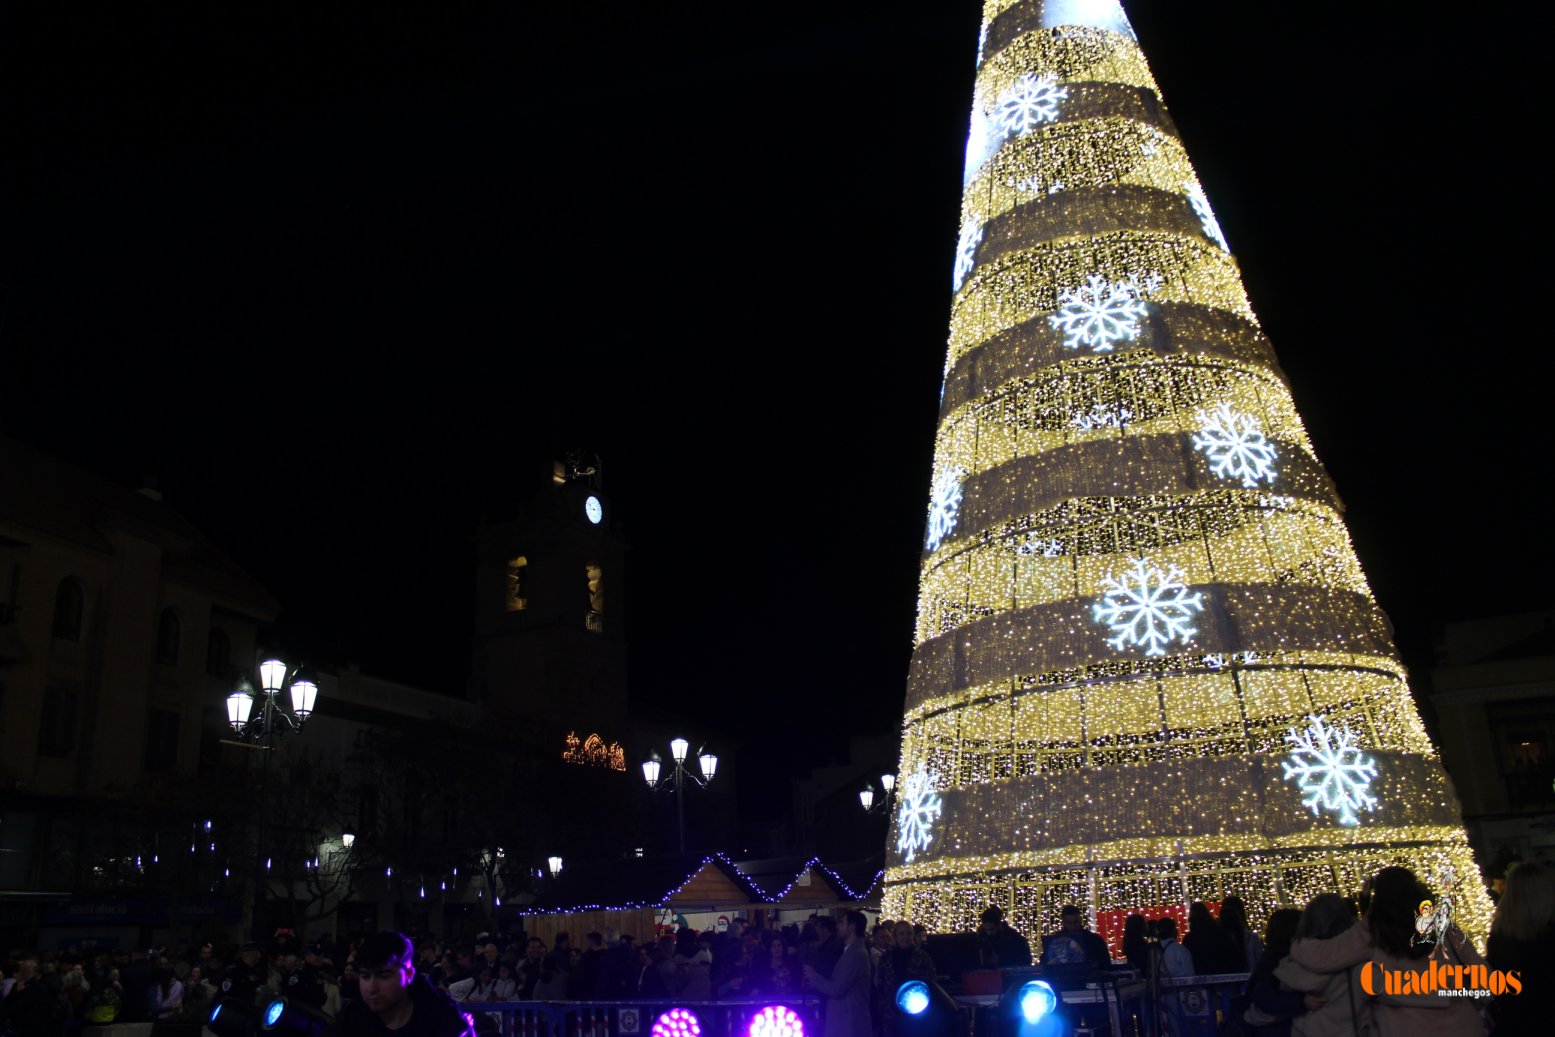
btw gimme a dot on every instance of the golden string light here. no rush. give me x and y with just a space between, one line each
1117 432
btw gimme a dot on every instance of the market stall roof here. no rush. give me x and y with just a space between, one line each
795 882
687 882
859 880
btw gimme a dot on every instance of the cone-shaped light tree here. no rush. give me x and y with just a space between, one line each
1148 667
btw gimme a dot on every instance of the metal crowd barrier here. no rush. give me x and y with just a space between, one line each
726 1018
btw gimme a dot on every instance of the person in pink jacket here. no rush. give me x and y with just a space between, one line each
1401 977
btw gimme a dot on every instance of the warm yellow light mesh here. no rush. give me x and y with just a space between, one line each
1067 766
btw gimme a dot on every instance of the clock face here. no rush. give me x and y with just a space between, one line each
593 509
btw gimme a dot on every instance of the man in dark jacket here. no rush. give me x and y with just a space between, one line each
394 1000
1004 946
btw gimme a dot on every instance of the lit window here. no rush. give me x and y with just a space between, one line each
517 598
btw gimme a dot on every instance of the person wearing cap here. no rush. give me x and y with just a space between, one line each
243 978
303 982
394 999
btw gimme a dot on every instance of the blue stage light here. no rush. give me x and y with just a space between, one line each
1037 999
273 1012
912 997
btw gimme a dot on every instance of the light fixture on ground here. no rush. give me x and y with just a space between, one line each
258 719
653 775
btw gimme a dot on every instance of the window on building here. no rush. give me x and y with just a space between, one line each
595 620
518 594
162 740
68 604
169 632
1524 733
57 729
218 653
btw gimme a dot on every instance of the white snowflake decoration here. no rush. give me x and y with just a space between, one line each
1331 772
918 807
1035 544
944 505
1146 606
1100 313
1235 445
966 251
1029 102
1206 215
1102 416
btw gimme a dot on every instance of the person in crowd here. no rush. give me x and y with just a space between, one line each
1233 919
584 976
1213 951
560 958
693 963
904 961
655 972
107 999
1335 1005
530 968
505 986
847 989
1269 1007
166 994
1136 943
393 999
1074 944
28 1008
729 978
774 973
1522 940
242 979
1174 959
1001 946
197 993
828 947
1384 942
618 969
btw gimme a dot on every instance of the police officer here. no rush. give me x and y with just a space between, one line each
242 979
305 983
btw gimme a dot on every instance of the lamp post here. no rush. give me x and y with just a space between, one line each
679 749
866 795
261 727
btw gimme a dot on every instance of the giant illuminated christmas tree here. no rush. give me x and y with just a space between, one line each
1148 667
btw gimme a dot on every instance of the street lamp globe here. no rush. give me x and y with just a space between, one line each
555 864
866 796
272 675
709 764
651 770
239 705
888 782
678 749
304 693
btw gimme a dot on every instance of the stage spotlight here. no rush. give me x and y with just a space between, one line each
912 997
233 1017
677 1022
776 1021
1037 1000
293 1018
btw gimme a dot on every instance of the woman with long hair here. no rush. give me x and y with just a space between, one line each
1337 1006
167 994
1522 940
1233 919
1385 944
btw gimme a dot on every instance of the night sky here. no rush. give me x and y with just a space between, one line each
340 280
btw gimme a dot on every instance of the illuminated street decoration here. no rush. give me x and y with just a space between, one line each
1147 606
1330 771
944 506
1100 313
966 251
1029 102
593 752
918 808
1205 214
1150 575
1235 445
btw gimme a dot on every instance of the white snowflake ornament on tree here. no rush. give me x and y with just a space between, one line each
944 505
1148 606
1331 772
966 252
1100 313
918 808
1206 215
1028 103
1235 445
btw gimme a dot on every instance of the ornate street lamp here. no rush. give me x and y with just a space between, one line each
680 749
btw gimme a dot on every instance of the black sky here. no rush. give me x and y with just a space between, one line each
384 259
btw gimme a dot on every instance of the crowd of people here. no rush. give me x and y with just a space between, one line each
1308 972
